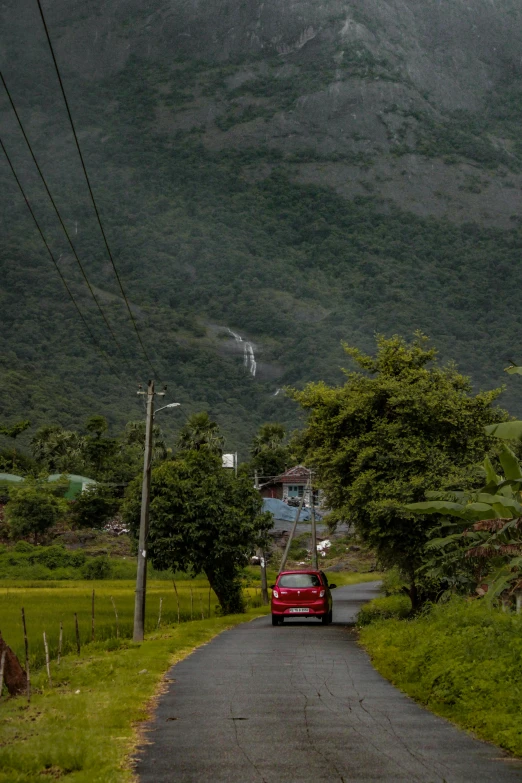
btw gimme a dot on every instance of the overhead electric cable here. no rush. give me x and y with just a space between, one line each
71 245
90 189
64 281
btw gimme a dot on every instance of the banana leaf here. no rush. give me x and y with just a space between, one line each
510 464
507 430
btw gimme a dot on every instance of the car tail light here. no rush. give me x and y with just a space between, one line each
275 593
321 594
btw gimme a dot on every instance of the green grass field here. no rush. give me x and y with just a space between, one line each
85 727
47 604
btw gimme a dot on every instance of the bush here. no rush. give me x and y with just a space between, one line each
396 606
97 568
461 659
23 546
393 582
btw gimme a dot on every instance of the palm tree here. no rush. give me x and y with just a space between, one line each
60 450
201 433
134 435
13 432
269 437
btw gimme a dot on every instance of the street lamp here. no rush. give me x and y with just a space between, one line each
141 576
170 405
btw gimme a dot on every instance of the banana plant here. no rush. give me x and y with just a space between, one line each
488 537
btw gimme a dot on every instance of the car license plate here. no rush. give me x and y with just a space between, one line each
299 609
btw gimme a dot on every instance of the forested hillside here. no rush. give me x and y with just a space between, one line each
298 173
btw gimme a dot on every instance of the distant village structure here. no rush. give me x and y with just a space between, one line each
291 486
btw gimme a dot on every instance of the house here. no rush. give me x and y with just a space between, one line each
291 486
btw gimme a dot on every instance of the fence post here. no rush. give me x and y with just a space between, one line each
26 657
518 597
60 640
92 618
2 664
117 619
159 616
191 604
77 633
177 599
47 665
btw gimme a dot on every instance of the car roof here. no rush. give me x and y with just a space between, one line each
301 571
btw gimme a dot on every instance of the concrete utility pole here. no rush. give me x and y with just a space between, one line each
314 530
141 577
292 534
261 556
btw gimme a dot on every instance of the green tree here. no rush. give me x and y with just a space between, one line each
269 456
34 507
60 450
12 432
202 519
95 506
98 451
134 436
201 433
404 426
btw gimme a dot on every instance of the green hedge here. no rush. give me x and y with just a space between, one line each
463 660
24 561
398 606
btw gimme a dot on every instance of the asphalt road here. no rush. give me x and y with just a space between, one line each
301 703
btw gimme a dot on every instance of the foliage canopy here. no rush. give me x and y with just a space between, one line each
404 426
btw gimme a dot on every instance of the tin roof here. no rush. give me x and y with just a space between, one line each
297 475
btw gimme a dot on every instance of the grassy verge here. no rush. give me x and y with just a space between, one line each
83 728
47 604
396 606
462 660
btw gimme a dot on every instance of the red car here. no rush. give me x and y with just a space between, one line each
302 594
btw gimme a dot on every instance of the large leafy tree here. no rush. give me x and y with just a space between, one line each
202 519
59 450
200 433
270 456
402 426
34 507
13 431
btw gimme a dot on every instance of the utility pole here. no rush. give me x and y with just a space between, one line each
261 556
292 534
141 577
314 530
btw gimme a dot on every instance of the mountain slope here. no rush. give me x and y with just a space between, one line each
299 173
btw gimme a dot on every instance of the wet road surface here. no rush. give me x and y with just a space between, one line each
302 703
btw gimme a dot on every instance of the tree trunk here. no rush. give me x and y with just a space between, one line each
413 594
15 676
227 586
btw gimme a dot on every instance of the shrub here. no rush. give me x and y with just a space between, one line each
393 583
463 660
396 606
23 546
97 568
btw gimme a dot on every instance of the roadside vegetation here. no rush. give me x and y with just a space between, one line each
85 727
429 475
461 659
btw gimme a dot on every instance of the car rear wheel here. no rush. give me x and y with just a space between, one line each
326 619
275 620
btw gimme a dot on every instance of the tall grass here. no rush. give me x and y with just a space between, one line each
48 604
463 660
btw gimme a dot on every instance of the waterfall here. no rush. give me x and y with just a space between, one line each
249 359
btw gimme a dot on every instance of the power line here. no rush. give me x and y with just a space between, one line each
90 189
64 281
109 327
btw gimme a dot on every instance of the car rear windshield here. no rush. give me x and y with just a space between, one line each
299 580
